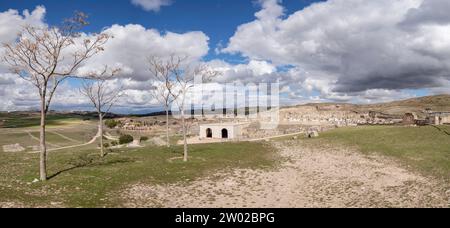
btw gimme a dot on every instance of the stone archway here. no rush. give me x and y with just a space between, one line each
224 133
209 133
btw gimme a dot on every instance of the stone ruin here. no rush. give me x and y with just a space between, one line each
308 115
13 148
312 134
339 116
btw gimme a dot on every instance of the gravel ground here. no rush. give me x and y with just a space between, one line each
309 176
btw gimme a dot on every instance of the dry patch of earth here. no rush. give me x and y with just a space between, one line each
309 176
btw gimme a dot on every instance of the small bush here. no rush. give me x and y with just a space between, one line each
144 139
125 139
81 161
106 145
111 123
114 143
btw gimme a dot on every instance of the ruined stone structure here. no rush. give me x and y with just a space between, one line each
309 115
439 118
410 119
138 125
231 131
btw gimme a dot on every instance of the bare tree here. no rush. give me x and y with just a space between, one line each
101 95
161 72
185 78
46 56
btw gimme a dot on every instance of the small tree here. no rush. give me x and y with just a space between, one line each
161 72
184 82
125 139
101 95
46 56
111 123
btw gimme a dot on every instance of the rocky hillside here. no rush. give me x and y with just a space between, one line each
419 105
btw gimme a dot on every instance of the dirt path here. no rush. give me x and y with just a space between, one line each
310 176
38 140
197 140
110 137
64 137
68 147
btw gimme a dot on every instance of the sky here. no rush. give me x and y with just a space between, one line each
355 51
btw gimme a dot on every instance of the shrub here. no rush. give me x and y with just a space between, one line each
114 143
106 145
144 139
111 123
124 139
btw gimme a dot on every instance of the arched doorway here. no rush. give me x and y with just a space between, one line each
209 133
224 133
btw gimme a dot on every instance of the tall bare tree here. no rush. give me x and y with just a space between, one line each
185 80
46 56
161 72
102 96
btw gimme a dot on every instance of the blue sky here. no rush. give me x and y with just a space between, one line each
218 19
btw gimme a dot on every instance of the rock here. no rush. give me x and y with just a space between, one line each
134 144
35 181
312 134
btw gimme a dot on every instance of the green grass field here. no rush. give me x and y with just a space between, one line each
80 178
16 137
21 120
426 149
61 132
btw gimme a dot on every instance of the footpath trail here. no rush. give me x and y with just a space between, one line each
92 141
196 140
308 176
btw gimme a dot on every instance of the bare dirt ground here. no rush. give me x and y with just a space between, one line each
309 176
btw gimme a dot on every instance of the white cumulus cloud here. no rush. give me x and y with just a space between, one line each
353 46
129 49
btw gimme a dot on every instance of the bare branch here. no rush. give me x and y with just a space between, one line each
100 93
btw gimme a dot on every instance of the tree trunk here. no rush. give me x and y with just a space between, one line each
43 146
167 127
100 127
185 158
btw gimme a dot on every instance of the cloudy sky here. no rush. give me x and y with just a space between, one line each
359 51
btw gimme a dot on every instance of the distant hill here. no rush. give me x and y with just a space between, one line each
438 103
435 103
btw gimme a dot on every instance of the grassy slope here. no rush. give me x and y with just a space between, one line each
85 180
424 148
435 103
76 129
23 138
22 120
418 105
